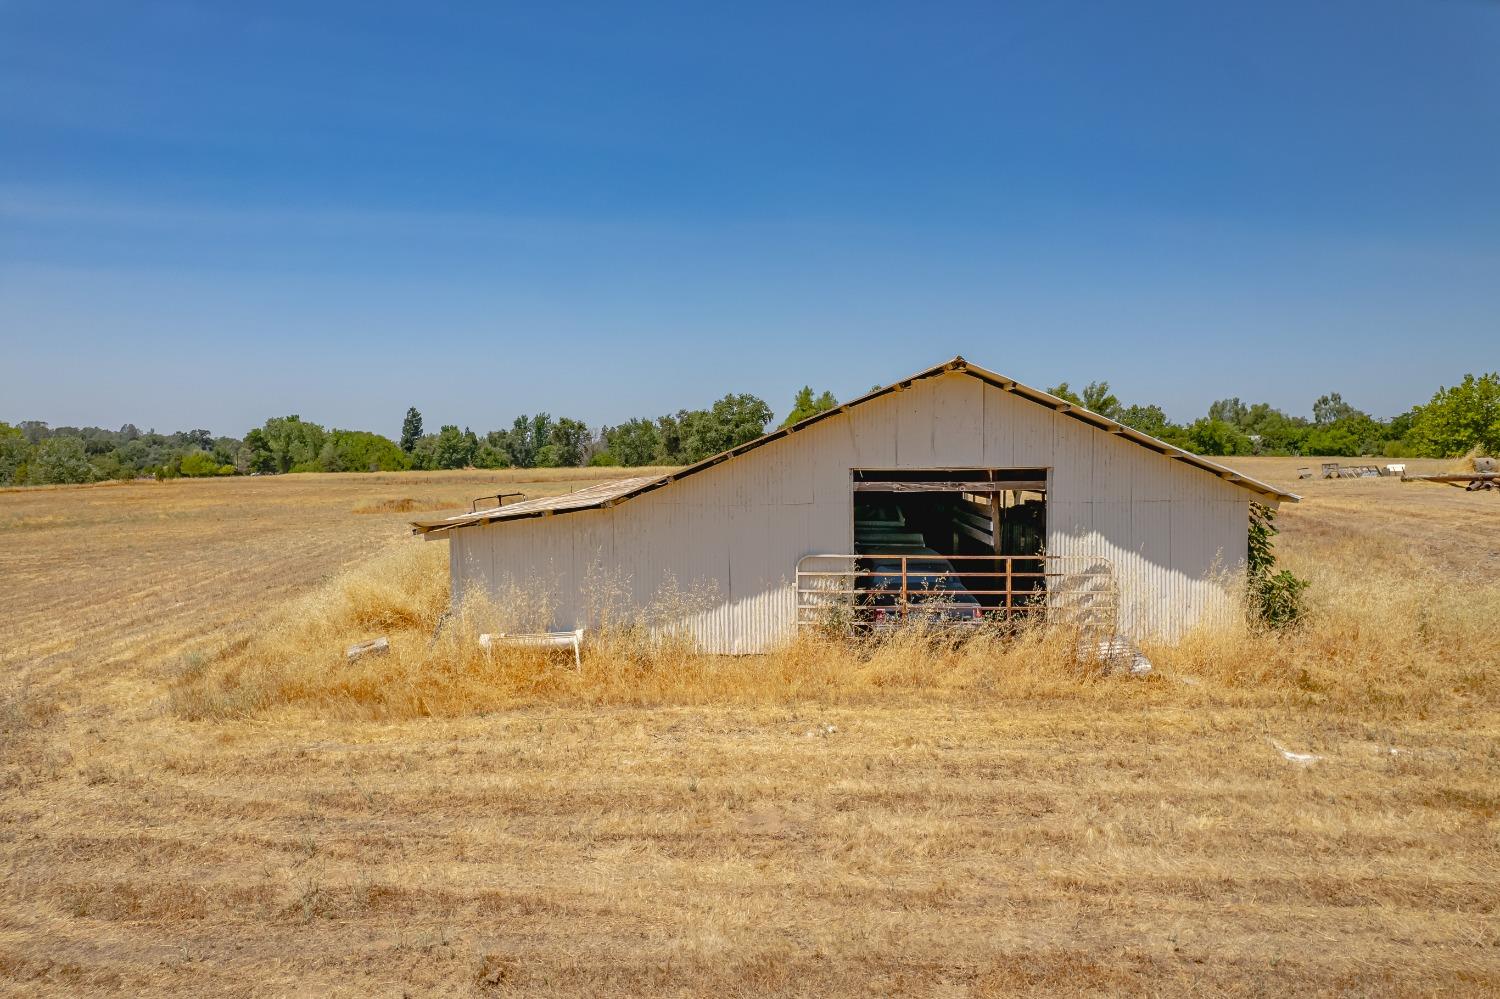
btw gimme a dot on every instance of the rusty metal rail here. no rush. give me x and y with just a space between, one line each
499 499
1075 589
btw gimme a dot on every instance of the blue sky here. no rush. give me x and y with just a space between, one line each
214 213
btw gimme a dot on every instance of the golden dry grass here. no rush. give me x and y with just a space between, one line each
980 821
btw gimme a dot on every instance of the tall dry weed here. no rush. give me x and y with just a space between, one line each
1389 640
1388 636
1468 463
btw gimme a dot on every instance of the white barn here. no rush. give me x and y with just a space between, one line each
949 447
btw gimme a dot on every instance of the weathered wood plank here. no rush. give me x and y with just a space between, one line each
1037 486
1453 477
374 647
983 537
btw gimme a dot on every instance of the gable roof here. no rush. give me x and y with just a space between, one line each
608 494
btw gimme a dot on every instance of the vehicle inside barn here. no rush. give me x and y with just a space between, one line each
954 545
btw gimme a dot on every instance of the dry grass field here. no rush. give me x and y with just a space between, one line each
185 811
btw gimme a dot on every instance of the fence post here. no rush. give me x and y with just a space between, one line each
903 588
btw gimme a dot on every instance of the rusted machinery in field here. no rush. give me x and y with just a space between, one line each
1484 477
1333 470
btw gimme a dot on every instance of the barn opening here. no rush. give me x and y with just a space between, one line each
957 543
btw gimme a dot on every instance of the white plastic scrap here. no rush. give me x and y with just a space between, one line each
1304 759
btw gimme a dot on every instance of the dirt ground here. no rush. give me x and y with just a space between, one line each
1056 845
132 572
1432 523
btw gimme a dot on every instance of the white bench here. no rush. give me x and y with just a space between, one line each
540 640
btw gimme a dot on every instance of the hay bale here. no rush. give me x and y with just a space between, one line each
1474 461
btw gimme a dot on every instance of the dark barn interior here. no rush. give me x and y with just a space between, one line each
951 531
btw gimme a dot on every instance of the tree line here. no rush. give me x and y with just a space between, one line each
1452 422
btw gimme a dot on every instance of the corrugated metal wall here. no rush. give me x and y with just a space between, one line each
732 534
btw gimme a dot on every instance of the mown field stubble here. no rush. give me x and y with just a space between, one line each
188 807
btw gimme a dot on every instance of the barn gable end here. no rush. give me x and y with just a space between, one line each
734 530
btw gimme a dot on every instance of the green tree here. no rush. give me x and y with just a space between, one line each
490 456
424 452
15 451
200 464
496 445
1098 398
634 442
1330 408
330 459
255 453
669 430
60 459
526 438
113 454
568 439
108 466
731 421
293 445
1276 598
541 434
411 429
1229 411
1147 419
1215 437
362 451
1336 440
135 456
1399 426
740 418
1350 435
805 405
1460 418
1277 432
1066 394
225 450
453 448
1252 419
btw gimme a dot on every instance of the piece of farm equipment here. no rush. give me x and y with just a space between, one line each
499 499
1483 474
1333 470
1468 481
